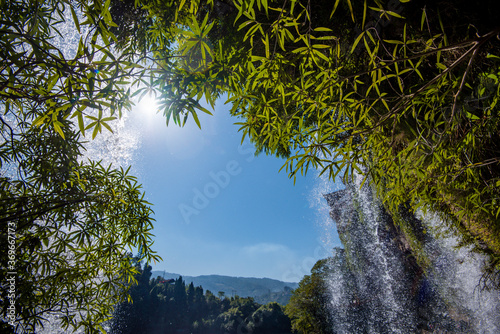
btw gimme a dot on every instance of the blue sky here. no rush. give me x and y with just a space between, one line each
221 210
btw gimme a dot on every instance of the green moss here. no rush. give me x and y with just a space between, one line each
414 234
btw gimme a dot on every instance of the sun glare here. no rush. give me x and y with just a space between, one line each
146 113
148 105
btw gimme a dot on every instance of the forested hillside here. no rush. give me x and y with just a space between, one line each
169 306
263 290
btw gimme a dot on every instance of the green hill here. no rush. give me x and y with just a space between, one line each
263 290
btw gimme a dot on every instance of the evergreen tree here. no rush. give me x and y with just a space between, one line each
156 310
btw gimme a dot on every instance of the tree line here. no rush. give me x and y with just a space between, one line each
169 306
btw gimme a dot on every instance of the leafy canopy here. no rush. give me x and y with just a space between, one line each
74 223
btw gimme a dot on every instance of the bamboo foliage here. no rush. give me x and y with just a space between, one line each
72 225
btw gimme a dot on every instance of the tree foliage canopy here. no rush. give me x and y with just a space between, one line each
308 308
72 223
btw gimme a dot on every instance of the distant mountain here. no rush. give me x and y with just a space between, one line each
264 290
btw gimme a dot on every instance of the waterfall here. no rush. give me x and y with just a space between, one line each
377 286
456 274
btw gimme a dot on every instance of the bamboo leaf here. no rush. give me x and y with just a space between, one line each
355 44
334 8
351 10
57 126
195 117
323 29
75 19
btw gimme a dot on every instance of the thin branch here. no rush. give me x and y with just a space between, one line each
462 84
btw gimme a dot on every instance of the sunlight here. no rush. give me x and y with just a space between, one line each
148 105
180 142
146 115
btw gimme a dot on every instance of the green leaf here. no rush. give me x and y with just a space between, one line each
265 6
181 4
81 124
351 10
57 126
492 56
106 126
394 14
97 129
322 29
423 18
334 8
355 44
195 117
39 120
266 43
75 19
471 116
392 41
321 46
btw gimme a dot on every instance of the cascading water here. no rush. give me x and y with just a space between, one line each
376 289
376 286
455 274
115 147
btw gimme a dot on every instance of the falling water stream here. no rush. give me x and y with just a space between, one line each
376 287
456 273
